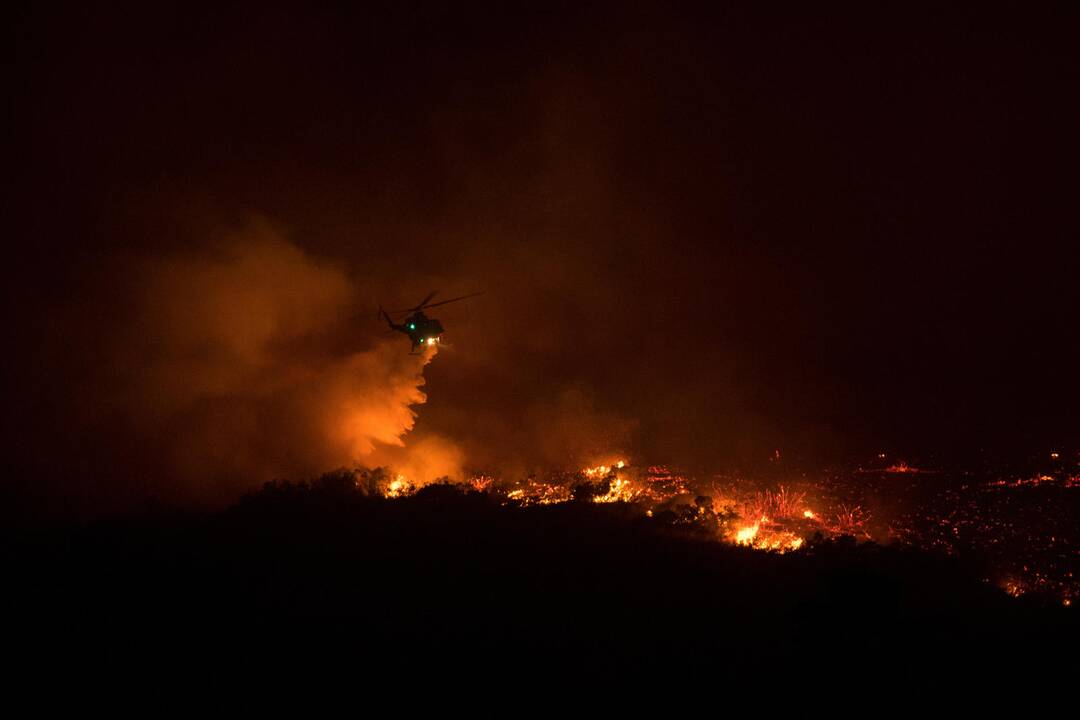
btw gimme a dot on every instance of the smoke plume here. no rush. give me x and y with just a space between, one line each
232 369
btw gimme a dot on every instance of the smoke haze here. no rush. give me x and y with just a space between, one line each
703 235
227 369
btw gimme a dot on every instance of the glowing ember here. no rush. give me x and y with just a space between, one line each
1014 588
533 492
481 483
780 504
851 521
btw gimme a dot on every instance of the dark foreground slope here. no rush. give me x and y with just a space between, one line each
295 577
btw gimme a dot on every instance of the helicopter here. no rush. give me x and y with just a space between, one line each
422 330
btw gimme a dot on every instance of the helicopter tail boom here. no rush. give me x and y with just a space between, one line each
384 316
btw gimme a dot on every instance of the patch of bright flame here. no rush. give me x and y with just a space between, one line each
481 483
620 491
602 471
746 535
753 536
398 487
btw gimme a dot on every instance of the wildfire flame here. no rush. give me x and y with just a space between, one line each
481 483
746 535
741 512
399 487
602 471
776 540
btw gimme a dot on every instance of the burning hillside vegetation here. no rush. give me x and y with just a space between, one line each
1020 531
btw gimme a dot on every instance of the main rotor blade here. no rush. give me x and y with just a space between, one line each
463 297
421 306
424 302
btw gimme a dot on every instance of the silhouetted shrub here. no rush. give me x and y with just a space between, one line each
588 491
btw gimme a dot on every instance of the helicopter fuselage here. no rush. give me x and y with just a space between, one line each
421 329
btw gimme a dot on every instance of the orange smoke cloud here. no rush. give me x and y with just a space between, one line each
233 374
423 460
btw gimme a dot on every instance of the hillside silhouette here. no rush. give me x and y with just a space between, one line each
303 572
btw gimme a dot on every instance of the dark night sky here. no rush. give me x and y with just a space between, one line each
702 233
